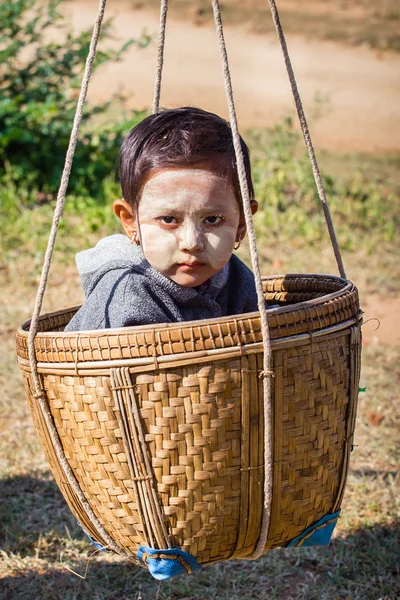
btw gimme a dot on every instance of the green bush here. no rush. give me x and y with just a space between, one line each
39 84
25 222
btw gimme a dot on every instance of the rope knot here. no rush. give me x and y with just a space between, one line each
266 374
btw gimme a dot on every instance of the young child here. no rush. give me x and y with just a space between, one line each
182 215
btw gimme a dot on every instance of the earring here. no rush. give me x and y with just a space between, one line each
134 238
238 242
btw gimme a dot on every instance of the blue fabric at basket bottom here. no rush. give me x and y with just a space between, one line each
164 564
97 544
318 534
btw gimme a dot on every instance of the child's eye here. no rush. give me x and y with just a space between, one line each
167 220
214 220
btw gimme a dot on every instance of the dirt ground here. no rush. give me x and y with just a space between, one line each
381 319
358 88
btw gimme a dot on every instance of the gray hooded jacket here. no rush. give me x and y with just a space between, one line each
123 289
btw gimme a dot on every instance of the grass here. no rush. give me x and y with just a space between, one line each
359 22
40 542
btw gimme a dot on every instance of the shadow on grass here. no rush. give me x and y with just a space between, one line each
373 473
32 508
364 565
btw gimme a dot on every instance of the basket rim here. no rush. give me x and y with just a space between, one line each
147 364
347 286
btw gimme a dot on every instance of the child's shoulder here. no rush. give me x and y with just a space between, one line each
104 262
115 282
239 269
107 249
241 287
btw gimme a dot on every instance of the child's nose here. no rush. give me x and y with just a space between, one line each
191 239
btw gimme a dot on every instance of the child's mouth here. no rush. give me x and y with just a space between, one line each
190 266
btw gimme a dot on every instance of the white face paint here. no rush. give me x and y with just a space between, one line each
188 223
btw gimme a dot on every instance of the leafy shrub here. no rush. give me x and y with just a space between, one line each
39 83
25 223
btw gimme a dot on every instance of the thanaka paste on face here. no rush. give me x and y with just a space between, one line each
189 195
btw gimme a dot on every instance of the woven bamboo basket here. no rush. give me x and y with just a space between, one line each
168 419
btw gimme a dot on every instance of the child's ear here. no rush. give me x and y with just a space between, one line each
242 223
127 215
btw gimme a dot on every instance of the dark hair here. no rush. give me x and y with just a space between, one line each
179 137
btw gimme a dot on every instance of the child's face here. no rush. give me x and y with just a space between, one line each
188 224
188 221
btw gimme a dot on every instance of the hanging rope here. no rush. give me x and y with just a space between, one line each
39 394
307 138
160 55
267 360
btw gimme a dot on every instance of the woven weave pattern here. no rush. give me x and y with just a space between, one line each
192 419
55 466
192 422
84 413
310 408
